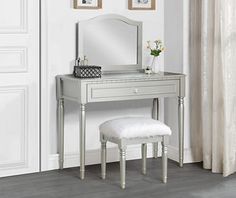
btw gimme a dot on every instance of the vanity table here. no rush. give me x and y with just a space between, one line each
117 87
115 43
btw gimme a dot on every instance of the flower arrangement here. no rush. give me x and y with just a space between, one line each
158 48
155 51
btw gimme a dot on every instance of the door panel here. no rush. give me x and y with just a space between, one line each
19 87
13 16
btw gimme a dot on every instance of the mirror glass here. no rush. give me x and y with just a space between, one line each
111 42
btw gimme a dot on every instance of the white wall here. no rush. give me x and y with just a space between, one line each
173 28
58 46
177 60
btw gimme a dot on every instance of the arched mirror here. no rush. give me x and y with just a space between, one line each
111 41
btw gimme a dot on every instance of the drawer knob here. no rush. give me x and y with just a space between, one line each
136 91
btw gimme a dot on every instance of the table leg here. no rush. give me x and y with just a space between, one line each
60 124
103 158
82 140
144 159
155 115
181 131
164 160
122 167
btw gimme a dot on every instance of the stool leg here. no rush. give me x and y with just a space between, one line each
155 150
122 167
144 159
164 161
103 159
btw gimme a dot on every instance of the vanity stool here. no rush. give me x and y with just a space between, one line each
133 130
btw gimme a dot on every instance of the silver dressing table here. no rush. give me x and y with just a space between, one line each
118 88
122 79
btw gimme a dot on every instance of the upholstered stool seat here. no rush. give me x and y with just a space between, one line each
133 130
133 127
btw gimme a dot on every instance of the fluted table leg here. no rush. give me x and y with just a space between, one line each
122 167
164 160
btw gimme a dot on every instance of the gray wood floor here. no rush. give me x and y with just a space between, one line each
188 182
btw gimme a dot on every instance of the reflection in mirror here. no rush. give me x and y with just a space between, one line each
112 41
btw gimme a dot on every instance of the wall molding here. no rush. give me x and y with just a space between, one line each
23 161
23 26
22 66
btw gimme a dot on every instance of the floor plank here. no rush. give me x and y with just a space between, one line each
188 182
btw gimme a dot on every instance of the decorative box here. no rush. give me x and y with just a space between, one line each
87 71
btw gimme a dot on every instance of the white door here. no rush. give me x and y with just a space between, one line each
19 87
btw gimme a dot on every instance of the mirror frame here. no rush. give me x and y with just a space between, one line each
115 68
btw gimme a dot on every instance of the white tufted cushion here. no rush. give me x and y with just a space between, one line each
134 127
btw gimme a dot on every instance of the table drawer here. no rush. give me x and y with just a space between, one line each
131 90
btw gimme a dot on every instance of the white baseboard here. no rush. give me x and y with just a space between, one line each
133 152
189 155
93 157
